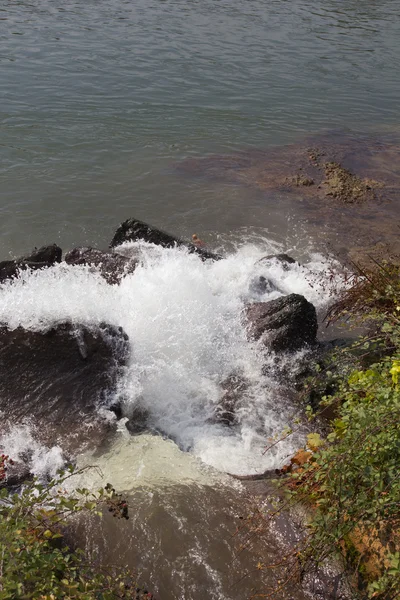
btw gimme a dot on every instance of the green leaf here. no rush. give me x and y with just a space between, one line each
314 441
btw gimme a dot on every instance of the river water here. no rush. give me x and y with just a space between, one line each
100 98
99 101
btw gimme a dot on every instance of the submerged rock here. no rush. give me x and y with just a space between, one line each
300 179
285 324
353 175
47 256
133 230
338 166
58 379
112 266
343 185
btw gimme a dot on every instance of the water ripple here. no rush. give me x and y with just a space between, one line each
99 83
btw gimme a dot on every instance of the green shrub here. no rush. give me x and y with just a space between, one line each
353 479
35 562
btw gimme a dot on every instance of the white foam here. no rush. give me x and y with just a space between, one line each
21 445
183 319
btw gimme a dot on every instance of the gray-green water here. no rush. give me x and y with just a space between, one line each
99 99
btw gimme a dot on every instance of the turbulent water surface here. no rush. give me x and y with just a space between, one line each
187 334
100 103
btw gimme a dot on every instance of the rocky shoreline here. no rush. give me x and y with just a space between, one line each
60 377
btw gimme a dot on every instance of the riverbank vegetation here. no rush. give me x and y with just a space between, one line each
349 478
35 560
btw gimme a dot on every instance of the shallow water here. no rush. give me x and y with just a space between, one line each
98 100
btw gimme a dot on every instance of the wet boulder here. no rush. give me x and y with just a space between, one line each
59 379
16 474
283 259
112 266
137 420
262 285
47 256
284 325
133 230
232 389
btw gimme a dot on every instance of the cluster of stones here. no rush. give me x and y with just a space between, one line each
61 376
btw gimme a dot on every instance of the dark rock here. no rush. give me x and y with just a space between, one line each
58 379
137 420
285 324
113 267
9 269
16 475
116 409
269 474
327 371
329 345
233 389
46 256
262 285
284 259
133 230
137 417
